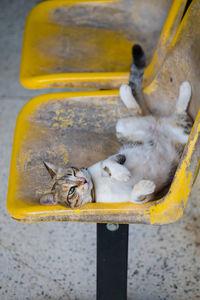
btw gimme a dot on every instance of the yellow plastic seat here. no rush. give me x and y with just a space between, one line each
88 43
78 128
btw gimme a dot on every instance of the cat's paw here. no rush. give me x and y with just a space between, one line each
125 91
115 171
184 97
185 88
121 174
128 99
142 191
121 128
144 187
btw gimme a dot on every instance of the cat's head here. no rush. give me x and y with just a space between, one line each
72 187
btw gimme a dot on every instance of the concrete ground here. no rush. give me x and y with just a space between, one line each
57 260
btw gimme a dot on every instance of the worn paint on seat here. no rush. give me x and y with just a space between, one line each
88 43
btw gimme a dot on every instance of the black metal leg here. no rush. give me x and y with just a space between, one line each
112 256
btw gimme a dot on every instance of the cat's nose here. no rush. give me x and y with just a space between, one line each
82 180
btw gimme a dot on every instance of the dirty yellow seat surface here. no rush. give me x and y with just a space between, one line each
79 128
88 43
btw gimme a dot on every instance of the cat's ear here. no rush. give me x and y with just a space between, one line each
51 169
48 199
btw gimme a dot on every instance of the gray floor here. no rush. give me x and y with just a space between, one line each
57 260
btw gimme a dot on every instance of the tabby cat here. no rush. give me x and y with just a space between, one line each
146 162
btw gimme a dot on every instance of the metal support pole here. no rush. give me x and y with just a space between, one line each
112 257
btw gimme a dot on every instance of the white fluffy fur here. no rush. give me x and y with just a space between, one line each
146 169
